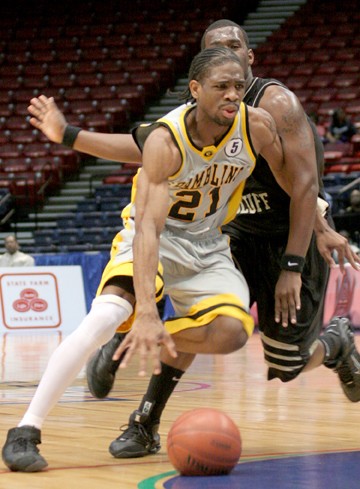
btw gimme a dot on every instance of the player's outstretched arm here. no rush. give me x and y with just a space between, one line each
46 116
152 204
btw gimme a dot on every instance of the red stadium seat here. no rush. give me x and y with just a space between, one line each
24 136
305 69
323 94
16 165
321 56
44 56
60 68
50 170
76 93
304 94
108 92
11 70
89 79
83 106
348 93
136 64
353 108
320 81
36 69
6 109
149 80
95 53
149 52
69 160
273 59
336 43
10 151
86 66
165 38
120 78
296 82
281 72
346 80
327 68
118 110
134 97
295 57
313 44
100 122
111 66
16 123
63 81
36 150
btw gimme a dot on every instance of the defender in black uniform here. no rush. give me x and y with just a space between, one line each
259 236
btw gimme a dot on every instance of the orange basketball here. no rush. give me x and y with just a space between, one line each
204 441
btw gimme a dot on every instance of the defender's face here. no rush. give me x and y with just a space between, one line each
232 38
219 94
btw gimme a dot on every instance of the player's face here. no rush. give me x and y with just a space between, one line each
218 96
232 38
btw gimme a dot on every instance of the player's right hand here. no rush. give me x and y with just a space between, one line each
46 117
145 338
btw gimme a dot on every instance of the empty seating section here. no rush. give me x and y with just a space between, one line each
91 227
316 54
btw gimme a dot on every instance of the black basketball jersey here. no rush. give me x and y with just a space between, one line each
265 206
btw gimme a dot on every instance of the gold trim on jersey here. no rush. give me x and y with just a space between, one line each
234 203
175 134
235 199
205 311
207 152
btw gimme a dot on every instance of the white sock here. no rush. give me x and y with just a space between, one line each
97 328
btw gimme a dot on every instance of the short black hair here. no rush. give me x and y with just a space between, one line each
204 61
218 24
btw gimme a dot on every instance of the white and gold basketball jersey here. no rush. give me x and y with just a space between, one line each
206 191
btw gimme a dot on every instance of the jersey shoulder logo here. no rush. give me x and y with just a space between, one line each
233 147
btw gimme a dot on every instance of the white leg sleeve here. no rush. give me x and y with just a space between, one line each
97 328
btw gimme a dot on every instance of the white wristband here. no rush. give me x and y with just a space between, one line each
322 206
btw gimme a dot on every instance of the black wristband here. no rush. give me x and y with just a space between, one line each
292 263
70 135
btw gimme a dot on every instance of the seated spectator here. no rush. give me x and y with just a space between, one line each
354 202
320 128
341 127
13 257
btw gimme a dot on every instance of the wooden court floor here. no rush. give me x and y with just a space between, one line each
283 426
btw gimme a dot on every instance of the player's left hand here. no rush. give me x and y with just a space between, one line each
287 297
329 241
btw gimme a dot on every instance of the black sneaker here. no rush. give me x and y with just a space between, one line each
20 452
101 368
136 440
348 364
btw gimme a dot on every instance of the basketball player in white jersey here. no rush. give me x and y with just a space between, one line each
195 162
